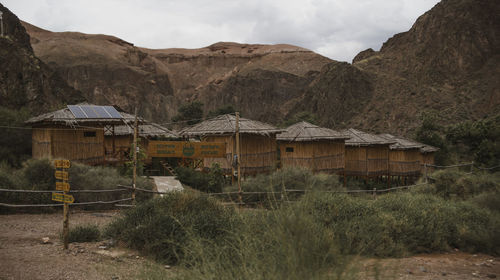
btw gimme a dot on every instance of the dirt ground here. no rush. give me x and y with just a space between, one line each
24 256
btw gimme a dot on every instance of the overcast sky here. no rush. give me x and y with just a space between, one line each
338 29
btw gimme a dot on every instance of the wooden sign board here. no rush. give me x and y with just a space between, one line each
62 186
62 163
66 198
62 175
182 149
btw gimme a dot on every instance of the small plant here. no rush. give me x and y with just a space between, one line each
84 233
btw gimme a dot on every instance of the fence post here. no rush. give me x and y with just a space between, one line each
471 167
374 192
425 173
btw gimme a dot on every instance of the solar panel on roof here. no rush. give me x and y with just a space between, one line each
89 111
112 112
101 112
77 112
94 112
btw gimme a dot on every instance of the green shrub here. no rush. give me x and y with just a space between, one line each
161 227
403 223
38 174
84 233
269 188
452 183
280 244
211 182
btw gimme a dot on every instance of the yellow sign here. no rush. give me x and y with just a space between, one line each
62 186
66 198
62 175
181 149
62 163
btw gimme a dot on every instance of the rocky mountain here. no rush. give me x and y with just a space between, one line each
447 62
26 81
109 70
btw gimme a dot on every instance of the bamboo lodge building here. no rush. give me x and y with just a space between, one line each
119 140
75 132
427 155
257 143
309 146
404 156
366 154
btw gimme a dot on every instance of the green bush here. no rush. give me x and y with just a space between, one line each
281 244
38 174
211 182
452 183
84 233
162 227
404 223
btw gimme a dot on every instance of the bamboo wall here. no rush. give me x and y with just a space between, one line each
404 162
65 143
258 153
367 160
326 156
40 143
426 158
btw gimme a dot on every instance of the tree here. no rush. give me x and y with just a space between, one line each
190 113
301 116
227 109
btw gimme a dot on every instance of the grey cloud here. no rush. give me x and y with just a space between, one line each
338 29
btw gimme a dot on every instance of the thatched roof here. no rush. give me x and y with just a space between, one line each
65 117
226 124
145 130
360 138
404 144
401 143
428 149
304 131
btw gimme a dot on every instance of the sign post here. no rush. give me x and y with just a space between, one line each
62 184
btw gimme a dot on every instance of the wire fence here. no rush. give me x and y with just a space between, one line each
231 195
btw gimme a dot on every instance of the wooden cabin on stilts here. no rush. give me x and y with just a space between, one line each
366 155
75 133
309 146
404 158
257 143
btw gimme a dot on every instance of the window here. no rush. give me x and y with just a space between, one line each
89 134
289 149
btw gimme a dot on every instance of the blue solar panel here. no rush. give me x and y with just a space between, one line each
94 112
112 112
89 111
101 112
77 112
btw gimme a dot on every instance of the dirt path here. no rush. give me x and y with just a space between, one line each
23 256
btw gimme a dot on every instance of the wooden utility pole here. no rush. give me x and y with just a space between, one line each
134 176
65 222
238 152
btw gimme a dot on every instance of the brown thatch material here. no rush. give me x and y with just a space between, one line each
401 143
145 130
428 149
226 124
304 131
65 117
360 138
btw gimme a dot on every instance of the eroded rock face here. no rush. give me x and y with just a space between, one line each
256 79
25 81
447 62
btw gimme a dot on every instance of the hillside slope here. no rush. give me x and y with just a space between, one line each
109 70
25 81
